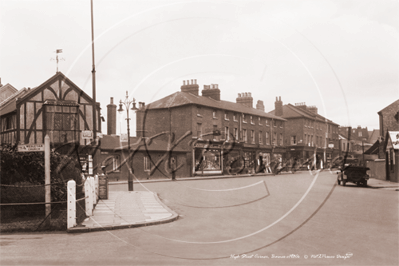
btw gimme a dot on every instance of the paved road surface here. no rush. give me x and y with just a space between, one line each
237 221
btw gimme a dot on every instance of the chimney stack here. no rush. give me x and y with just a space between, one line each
211 91
111 118
312 109
245 99
260 106
192 88
278 107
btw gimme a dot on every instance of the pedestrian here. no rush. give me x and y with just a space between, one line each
260 167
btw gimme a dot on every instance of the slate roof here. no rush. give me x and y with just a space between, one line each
9 104
112 142
5 90
291 111
185 98
396 103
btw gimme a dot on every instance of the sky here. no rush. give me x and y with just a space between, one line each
340 56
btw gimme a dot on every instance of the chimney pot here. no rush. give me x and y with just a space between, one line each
195 81
184 82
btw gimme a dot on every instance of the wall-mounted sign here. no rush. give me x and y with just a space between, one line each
30 147
87 134
331 145
394 135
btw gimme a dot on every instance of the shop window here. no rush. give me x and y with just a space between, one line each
207 159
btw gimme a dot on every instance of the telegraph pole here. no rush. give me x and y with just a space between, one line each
93 76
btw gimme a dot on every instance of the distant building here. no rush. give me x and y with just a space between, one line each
386 167
389 118
306 131
218 137
6 91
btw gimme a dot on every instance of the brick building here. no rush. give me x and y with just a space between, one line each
387 146
218 137
389 118
306 131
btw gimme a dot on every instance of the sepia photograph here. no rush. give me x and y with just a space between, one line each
198 132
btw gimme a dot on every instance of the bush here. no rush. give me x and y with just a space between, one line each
27 168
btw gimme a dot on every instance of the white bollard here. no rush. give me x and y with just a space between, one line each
96 187
71 204
92 193
89 205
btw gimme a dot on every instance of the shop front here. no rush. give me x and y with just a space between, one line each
208 158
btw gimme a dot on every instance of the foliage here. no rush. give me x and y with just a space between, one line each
28 167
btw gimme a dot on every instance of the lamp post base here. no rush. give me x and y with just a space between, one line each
130 184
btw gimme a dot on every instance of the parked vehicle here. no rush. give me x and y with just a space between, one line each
353 174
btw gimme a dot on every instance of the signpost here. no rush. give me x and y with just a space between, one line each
47 177
30 147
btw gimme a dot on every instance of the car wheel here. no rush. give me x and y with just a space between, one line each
365 183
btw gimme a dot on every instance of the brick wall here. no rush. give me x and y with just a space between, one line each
389 122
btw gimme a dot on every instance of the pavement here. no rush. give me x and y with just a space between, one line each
125 209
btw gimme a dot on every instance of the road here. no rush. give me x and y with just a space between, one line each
276 220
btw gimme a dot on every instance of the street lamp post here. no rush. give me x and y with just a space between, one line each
127 103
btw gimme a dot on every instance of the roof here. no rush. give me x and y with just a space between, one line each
185 98
9 105
6 91
374 135
373 149
395 103
112 142
291 111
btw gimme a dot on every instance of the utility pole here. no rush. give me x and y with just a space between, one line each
93 77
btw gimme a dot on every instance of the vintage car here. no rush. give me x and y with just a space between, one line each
354 174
